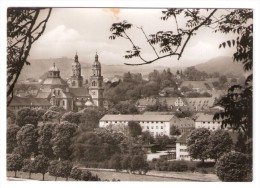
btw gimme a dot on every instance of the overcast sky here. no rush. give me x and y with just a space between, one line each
86 30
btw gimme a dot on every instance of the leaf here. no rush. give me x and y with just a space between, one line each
229 43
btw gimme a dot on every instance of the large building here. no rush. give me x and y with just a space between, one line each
72 95
155 124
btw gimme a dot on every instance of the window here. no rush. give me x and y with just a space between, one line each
73 83
156 127
161 127
93 83
63 102
147 127
152 127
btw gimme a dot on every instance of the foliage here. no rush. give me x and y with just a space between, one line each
11 141
147 138
61 140
27 140
76 173
14 163
139 163
53 113
10 116
238 109
27 116
197 142
87 176
232 167
41 164
166 43
163 141
220 142
45 132
134 128
28 166
115 162
24 27
89 118
65 168
53 168
174 131
240 145
72 117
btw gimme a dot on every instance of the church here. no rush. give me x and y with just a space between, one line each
73 95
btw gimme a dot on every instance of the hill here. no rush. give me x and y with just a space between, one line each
223 65
39 67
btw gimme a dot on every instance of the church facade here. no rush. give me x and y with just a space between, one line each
73 95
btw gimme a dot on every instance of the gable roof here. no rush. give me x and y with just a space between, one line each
183 138
197 84
79 92
43 95
206 117
18 101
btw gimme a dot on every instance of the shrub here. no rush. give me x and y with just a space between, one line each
233 167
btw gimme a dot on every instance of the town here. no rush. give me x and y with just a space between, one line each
83 120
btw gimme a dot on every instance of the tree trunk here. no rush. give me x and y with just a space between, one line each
15 174
43 177
55 178
67 178
30 175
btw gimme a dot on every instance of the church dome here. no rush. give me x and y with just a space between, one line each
89 104
54 68
54 81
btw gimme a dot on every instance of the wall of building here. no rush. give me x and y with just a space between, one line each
182 152
210 125
155 127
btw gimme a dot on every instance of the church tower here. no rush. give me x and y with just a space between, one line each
76 80
96 80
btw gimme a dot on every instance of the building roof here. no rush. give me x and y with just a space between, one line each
43 95
79 92
206 117
196 84
54 81
54 68
18 101
164 118
146 102
157 113
183 138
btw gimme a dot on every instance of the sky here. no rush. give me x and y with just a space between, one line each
87 30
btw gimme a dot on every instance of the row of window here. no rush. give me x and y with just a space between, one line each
137 121
182 144
156 133
183 150
156 127
184 156
211 122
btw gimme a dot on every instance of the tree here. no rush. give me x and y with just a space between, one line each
147 138
138 163
27 140
10 116
134 128
65 169
72 117
220 142
41 164
26 116
53 169
61 140
54 113
45 132
11 142
28 166
126 162
14 163
24 27
233 167
174 131
197 142
223 80
76 173
115 162
163 141
87 176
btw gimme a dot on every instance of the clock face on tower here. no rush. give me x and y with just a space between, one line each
93 93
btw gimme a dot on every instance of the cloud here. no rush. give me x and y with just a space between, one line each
60 34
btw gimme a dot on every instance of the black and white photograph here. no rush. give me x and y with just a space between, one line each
129 94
